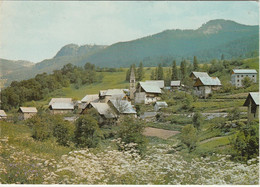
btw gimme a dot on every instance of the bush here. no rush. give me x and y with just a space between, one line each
189 137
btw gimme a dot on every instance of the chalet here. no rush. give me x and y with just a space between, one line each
61 105
106 95
2 114
160 83
237 75
195 75
103 109
121 107
175 85
205 85
252 102
147 92
26 112
160 104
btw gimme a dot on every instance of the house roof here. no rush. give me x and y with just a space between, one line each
246 71
115 92
103 109
62 106
90 98
60 100
199 74
150 87
28 109
175 83
207 81
2 113
102 92
254 96
161 103
123 106
160 83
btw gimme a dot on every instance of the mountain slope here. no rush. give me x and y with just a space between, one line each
210 41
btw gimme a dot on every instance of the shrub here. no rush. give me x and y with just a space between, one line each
189 137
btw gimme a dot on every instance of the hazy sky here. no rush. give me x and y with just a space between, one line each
37 30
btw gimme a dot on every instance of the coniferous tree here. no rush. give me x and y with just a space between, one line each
140 72
195 64
152 77
174 71
167 78
160 72
183 69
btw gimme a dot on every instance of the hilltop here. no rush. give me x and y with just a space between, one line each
209 41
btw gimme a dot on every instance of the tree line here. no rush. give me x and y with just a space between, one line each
42 84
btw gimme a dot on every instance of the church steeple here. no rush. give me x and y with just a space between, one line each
132 83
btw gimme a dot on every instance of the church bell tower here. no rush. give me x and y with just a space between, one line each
132 84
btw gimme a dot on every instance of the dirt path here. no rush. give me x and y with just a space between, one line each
160 133
210 139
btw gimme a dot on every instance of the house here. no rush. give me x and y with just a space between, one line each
175 85
90 98
160 83
106 95
61 105
121 107
205 85
26 112
195 75
147 92
2 114
103 109
160 104
237 75
252 102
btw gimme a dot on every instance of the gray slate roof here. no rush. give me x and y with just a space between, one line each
210 81
90 98
200 74
28 109
103 109
62 106
160 83
150 87
245 71
115 92
175 83
60 100
123 106
2 113
254 96
161 103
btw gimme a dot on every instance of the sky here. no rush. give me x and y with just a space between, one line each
34 31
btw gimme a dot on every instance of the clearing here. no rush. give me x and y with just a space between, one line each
160 133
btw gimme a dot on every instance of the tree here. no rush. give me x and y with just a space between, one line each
152 76
189 137
174 71
183 69
131 131
167 78
195 64
160 72
247 82
234 114
140 72
87 133
197 120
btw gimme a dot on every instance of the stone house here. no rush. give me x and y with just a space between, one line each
26 112
147 92
237 75
252 102
106 95
205 85
61 105
121 107
160 104
2 114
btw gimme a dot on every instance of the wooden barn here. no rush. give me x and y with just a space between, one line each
26 112
205 85
252 102
61 105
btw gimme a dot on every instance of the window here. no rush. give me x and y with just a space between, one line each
237 80
253 76
238 76
242 75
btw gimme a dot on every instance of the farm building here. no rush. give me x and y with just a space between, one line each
252 102
160 104
103 109
175 85
2 114
26 112
121 107
195 75
61 105
105 95
147 92
205 85
237 75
